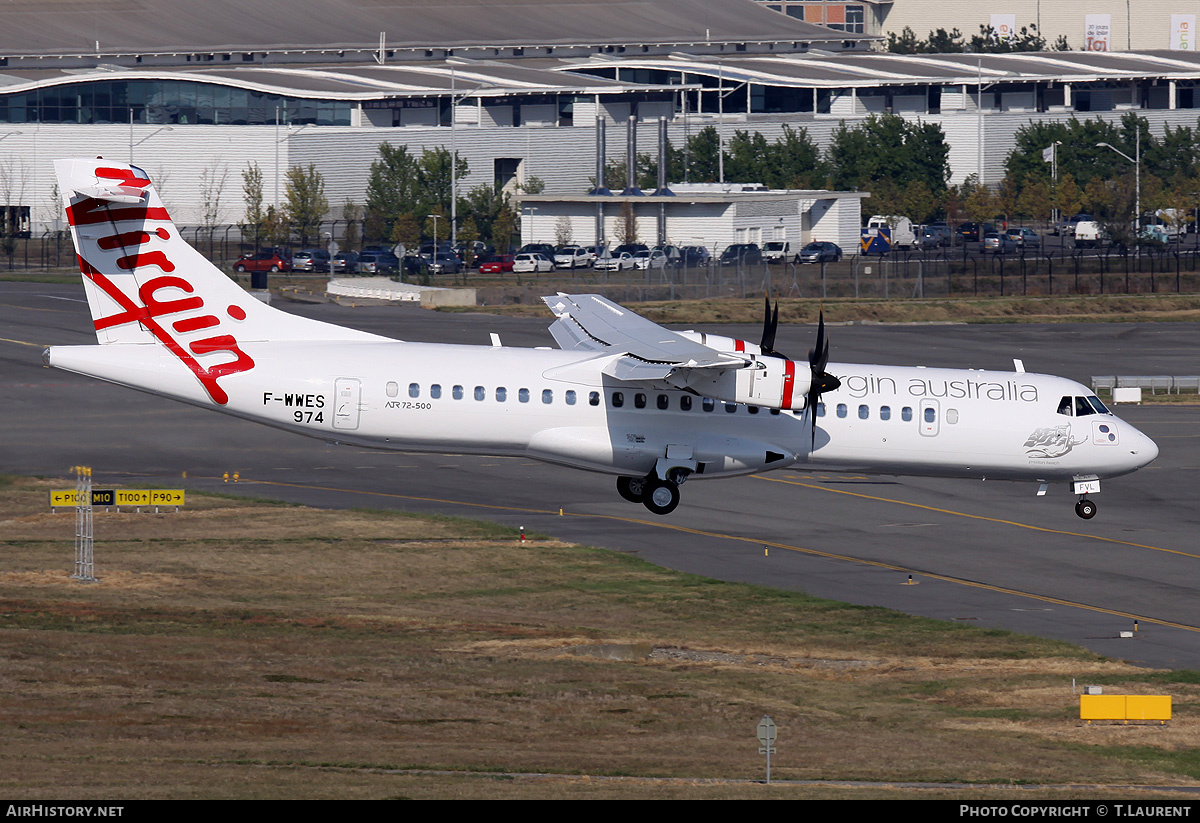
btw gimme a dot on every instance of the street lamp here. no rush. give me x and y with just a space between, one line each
435 237
1137 173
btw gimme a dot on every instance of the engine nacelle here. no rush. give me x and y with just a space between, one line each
771 382
721 343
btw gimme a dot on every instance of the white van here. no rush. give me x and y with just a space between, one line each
1089 235
902 233
778 251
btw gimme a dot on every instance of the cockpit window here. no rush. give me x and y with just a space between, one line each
1065 405
1097 405
1083 407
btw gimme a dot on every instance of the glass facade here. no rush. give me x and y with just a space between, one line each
166 102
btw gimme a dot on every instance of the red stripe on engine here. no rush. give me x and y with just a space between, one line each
789 382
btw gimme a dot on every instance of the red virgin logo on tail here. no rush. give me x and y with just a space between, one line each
155 310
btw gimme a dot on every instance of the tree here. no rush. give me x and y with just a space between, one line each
255 223
503 228
885 153
305 205
391 188
562 230
212 186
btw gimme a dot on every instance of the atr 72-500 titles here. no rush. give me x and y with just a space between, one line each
621 395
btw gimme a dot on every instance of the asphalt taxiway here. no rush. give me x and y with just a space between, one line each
988 554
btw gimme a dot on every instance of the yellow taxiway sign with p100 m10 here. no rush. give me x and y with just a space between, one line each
120 497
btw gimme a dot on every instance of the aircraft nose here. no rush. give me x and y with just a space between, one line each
1143 450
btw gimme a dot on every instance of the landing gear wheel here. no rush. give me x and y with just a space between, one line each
632 489
660 497
1086 509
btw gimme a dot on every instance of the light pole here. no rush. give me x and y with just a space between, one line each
435 235
1137 178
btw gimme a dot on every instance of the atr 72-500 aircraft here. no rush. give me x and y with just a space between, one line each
621 395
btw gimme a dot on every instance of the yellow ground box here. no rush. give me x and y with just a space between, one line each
1143 707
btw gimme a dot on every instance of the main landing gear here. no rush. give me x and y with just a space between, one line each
659 496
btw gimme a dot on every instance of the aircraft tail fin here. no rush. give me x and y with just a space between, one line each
145 284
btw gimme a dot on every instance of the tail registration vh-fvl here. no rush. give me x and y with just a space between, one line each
621 395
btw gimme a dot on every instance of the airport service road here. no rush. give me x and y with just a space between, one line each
990 554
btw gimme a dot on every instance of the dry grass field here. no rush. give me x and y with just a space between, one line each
244 649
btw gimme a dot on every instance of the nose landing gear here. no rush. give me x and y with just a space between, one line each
1085 508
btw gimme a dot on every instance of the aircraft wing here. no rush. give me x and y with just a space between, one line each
591 323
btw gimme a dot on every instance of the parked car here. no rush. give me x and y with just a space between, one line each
632 248
346 262
820 252
934 236
573 257
615 262
266 260
378 262
695 256
777 251
741 254
310 260
497 264
973 232
1025 238
445 263
650 259
532 262
995 242
537 248
1066 227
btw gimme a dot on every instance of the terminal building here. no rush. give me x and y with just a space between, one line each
194 93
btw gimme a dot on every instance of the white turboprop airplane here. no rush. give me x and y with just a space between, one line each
622 395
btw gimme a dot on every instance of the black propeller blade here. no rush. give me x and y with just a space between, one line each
770 326
821 380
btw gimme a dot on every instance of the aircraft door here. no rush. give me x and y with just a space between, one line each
347 395
930 420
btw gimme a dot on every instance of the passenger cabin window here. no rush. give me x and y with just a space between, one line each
414 389
435 391
730 407
393 389
547 396
663 402
685 402
618 399
639 401
952 416
885 412
906 414
457 391
841 410
523 395
930 414
820 410
708 404
570 397
864 412
501 394
594 398
480 392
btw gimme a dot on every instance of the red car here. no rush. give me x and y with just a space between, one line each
263 261
497 264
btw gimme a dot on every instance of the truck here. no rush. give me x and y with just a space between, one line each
885 232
